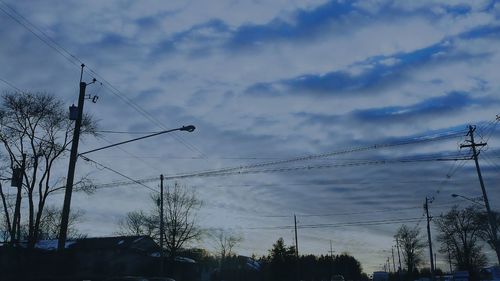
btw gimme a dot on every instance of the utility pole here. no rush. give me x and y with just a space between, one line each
296 240
399 255
72 164
426 208
393 263
331 261
399 259
161 226
296 247
491 217
331 249
17 181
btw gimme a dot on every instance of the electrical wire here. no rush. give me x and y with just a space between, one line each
334 225
30 27
490 161
415 140
96 163
131 154
116 92
222 172
10 85
42 36
420 220
351 213
116 172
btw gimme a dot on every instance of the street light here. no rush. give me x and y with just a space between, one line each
71 171
467 198
188 128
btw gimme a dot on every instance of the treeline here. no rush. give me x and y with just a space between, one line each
463 236
282 264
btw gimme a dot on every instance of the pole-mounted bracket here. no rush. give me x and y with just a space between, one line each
92 98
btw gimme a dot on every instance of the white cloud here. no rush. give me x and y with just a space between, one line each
203 81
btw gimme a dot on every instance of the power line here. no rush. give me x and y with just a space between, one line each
334 225
42 36
352 213
131 154
415 140
240 169
116 172
10 85
490 161
30 27
116 92
420 220
339 182
222 172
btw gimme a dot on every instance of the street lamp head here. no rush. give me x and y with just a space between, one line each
188 128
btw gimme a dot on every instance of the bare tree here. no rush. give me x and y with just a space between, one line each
180 208
460 233
4 228
225 241
50 224
5 223
412 246
486 232
137 223
36 127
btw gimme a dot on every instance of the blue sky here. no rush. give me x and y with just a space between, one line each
266 81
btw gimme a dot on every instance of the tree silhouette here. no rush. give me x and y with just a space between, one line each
282 262
486 232
460 233
412 246
180 208
36 126
225 241
138 223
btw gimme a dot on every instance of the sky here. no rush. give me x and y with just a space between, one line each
340 112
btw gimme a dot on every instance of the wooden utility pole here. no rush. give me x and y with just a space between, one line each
72 164
331 249
429 239
393 263
161 226
399 259
331 259
296 247
491 217
17 181
296 240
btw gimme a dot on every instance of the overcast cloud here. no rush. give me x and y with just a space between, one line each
265 81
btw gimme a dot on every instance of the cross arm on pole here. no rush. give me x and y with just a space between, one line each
471 145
